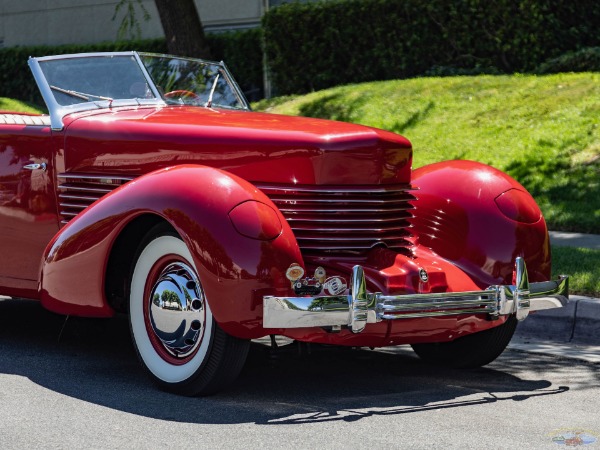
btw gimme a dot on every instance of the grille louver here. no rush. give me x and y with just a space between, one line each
346 218
78 191
333 219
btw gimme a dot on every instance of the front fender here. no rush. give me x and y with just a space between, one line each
481 219
235 270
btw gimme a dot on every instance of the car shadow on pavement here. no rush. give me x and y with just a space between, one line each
94 361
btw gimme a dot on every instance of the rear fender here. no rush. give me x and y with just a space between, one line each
196 201
481 219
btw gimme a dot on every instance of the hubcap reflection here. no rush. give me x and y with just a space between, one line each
176 310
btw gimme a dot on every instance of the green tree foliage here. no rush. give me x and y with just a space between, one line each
130 28
170 299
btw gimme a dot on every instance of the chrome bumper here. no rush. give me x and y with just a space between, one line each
361 307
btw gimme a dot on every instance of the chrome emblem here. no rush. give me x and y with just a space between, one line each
423 275
335 286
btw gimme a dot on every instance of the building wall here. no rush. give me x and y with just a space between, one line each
56 22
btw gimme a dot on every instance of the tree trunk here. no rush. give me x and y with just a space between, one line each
183 28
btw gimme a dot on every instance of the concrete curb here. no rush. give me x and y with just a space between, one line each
565 239
578 322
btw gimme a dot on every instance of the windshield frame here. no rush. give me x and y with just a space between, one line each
58 112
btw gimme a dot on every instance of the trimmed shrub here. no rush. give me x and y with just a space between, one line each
313 46
242 52
584 60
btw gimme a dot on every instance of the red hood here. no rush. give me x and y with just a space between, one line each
256 146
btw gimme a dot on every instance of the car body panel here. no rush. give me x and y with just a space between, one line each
196 201
459 219
28 217
254 146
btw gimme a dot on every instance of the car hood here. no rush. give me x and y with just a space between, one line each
256 146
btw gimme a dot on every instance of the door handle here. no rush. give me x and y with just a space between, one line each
35 166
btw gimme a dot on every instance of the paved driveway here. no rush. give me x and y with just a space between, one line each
87 389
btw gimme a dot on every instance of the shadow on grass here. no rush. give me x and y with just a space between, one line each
569 194
334 106
94 362
340 107
414 119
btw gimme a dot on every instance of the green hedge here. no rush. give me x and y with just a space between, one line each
240 50
584 60
315 46
312 46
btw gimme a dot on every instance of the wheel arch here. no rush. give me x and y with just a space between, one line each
85 266
122 258
481 219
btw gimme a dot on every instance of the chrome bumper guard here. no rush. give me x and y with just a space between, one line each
361 307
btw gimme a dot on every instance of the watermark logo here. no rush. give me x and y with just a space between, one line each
573 437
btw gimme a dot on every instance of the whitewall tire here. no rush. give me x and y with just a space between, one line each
173 329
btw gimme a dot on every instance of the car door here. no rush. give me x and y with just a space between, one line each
28 214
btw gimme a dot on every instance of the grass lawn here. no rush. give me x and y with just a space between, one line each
583 267
9 104
543 130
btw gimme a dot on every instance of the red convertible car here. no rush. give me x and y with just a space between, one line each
151 189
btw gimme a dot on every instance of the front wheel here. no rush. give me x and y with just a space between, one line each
175 335
473 350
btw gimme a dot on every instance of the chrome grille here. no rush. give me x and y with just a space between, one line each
346 218
78 191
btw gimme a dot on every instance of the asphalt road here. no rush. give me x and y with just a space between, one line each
83 387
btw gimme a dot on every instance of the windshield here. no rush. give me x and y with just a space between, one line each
99 80
82 80
183 81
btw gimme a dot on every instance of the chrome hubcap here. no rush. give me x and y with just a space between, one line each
176 310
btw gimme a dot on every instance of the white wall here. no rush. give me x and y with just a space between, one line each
55 22
219 14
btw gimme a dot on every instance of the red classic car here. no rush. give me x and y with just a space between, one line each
152 189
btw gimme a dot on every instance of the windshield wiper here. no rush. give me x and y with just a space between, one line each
80 95
208 104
